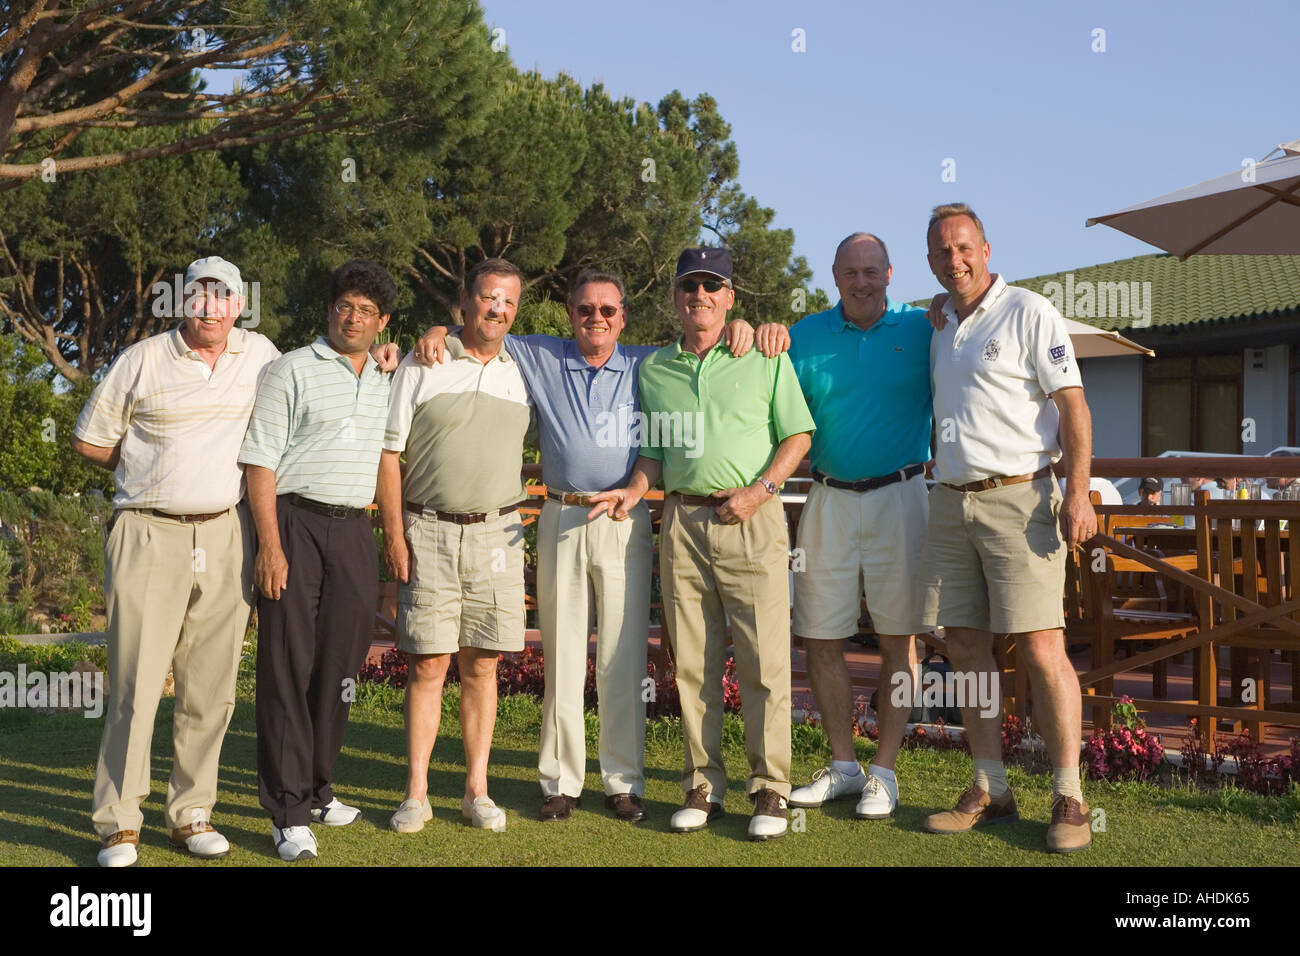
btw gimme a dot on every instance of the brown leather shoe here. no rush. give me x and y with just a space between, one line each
201 839
626 806
558 807
697 811
1071 828
974 809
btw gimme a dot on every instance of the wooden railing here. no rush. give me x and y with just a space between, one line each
1253 611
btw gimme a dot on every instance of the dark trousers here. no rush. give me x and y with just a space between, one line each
310 645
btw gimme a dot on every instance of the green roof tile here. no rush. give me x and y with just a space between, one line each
1170 292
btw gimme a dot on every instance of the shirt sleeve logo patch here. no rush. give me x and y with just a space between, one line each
1058 354
992 349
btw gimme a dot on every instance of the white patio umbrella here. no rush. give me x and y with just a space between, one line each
1092 342
1254 211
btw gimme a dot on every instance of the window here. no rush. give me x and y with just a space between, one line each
1192 404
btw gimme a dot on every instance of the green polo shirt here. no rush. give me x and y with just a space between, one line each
715 422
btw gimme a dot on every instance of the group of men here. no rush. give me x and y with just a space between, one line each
321 432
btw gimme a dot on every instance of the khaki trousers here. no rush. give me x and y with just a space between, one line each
179 595
712 574
598 568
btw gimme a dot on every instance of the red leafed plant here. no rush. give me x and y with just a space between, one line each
1124 752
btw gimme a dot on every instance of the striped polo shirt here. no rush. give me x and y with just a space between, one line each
319 426
179 422
462 424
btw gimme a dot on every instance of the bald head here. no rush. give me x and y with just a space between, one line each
862 273
861 237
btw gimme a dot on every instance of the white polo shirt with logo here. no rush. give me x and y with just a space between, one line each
994 374
180 422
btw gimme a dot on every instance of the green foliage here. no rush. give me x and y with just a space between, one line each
28 427
54 561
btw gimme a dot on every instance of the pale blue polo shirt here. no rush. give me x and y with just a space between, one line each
587 416
869 391
319 426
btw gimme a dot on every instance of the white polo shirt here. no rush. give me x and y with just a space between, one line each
993 375
180 423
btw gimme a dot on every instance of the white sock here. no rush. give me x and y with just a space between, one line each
1065 783
991 777
886 776
850 768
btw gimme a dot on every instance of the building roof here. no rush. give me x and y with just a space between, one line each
1200 289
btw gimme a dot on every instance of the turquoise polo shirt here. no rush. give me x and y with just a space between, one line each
869 391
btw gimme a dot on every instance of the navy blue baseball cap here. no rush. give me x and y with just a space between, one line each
716 262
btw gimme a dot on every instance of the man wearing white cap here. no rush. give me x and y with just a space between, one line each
168 419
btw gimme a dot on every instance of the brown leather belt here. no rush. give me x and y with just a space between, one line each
698 500
570 498
998 481
190 519
321 508
459 517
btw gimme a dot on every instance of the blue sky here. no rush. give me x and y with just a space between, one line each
853 133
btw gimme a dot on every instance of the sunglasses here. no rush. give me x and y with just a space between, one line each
587 310
690 285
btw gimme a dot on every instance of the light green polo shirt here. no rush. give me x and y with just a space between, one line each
319 426
715 423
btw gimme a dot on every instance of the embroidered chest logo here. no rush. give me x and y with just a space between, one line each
992 349
1058 354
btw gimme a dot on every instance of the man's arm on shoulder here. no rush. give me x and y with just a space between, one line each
1078 520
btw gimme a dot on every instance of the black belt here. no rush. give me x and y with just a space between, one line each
320 508
458 517
999 481
869 484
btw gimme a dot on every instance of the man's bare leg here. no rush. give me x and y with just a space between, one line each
897 656
829 677
478 714
422 713
971 651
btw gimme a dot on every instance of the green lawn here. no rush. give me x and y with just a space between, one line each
47 764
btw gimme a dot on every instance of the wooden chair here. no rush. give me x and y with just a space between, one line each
1142 615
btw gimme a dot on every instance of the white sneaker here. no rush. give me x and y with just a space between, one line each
481 812
411 815
294 843
770 819
120 849
828 784
335 814
879 798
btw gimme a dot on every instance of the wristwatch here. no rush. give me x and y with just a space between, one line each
768 485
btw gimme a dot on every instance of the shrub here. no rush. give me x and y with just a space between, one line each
1124 752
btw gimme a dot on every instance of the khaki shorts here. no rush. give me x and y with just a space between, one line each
851 542
466 586
994 560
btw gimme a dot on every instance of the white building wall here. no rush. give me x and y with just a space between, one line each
1264 397
1113 388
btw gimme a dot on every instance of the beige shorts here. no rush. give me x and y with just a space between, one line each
466 586
856 542
994 560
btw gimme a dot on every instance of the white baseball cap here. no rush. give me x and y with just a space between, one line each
214 267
